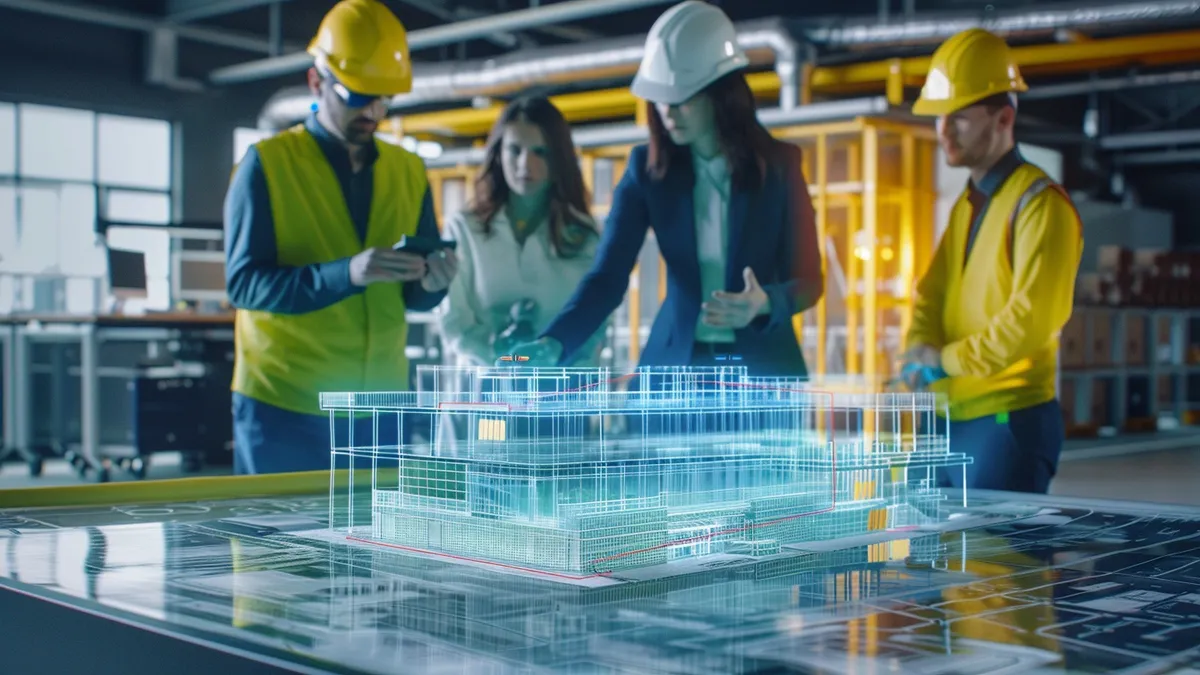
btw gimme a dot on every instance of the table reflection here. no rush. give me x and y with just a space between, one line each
1061 590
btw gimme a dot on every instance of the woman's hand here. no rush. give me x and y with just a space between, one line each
543 352
737 310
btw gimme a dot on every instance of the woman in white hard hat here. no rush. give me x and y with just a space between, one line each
729 207
525 240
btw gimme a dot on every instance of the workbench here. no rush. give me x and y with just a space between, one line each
92 457
223 575
20 332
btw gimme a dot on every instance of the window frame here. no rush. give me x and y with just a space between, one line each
101 189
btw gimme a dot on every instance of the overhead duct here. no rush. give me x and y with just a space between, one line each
1032 21
558 13
619 57
1178 77
765 40
628 134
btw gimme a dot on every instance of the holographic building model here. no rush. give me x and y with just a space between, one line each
577 472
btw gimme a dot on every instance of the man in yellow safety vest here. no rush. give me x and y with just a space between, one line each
311 218
988 312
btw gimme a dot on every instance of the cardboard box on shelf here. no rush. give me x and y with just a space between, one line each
1066 401
1071 348
1165 350
1114 260
1148 260
1165 394
1088 289
1116 291
1100 350
1134 352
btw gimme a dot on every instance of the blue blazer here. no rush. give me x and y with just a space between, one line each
771 229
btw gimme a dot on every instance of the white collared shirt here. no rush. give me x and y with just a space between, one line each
495 271
710 200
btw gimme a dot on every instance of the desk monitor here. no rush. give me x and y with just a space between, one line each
201 277
126 274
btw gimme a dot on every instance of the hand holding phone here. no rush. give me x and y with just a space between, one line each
423 246
380 265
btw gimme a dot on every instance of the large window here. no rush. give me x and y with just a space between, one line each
57 167
243 138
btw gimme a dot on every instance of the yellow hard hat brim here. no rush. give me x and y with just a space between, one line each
936 108
368 86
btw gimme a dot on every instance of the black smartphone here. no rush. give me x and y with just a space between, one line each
423 246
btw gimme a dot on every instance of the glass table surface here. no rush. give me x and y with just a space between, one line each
1029 584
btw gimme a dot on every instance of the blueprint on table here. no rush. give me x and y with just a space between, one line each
1034 589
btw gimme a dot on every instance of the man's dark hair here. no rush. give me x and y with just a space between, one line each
997 102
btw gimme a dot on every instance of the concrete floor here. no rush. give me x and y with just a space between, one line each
1163 467
1164 476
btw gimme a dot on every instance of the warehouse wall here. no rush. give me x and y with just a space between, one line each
76 69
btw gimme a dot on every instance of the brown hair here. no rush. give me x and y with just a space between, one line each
747 146
998 102
569 224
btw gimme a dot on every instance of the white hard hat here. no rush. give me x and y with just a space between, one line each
689 47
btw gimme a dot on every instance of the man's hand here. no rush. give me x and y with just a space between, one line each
383 265
737 310
440 270
917 362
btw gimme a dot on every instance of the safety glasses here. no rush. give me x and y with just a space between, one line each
353 99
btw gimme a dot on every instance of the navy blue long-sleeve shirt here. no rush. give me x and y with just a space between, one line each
255 280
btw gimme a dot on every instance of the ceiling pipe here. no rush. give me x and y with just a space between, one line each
1046 91
1044 20
138 22
604 135
766 41
560 12
1159 158
1150 139
619 57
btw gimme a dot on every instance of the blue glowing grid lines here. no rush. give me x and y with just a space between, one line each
579 472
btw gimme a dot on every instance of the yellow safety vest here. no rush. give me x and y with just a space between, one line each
997 315
356 344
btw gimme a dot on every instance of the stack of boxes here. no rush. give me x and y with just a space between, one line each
1130 354
1141 278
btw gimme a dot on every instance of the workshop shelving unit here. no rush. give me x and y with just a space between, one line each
1128 369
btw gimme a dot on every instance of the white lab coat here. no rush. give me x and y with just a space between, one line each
494 272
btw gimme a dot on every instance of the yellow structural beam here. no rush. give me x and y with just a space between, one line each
888 76
1044 59
581 107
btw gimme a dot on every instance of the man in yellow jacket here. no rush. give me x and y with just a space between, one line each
311 218
988 312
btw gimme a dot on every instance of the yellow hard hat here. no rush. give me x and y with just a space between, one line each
365 47
965 69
